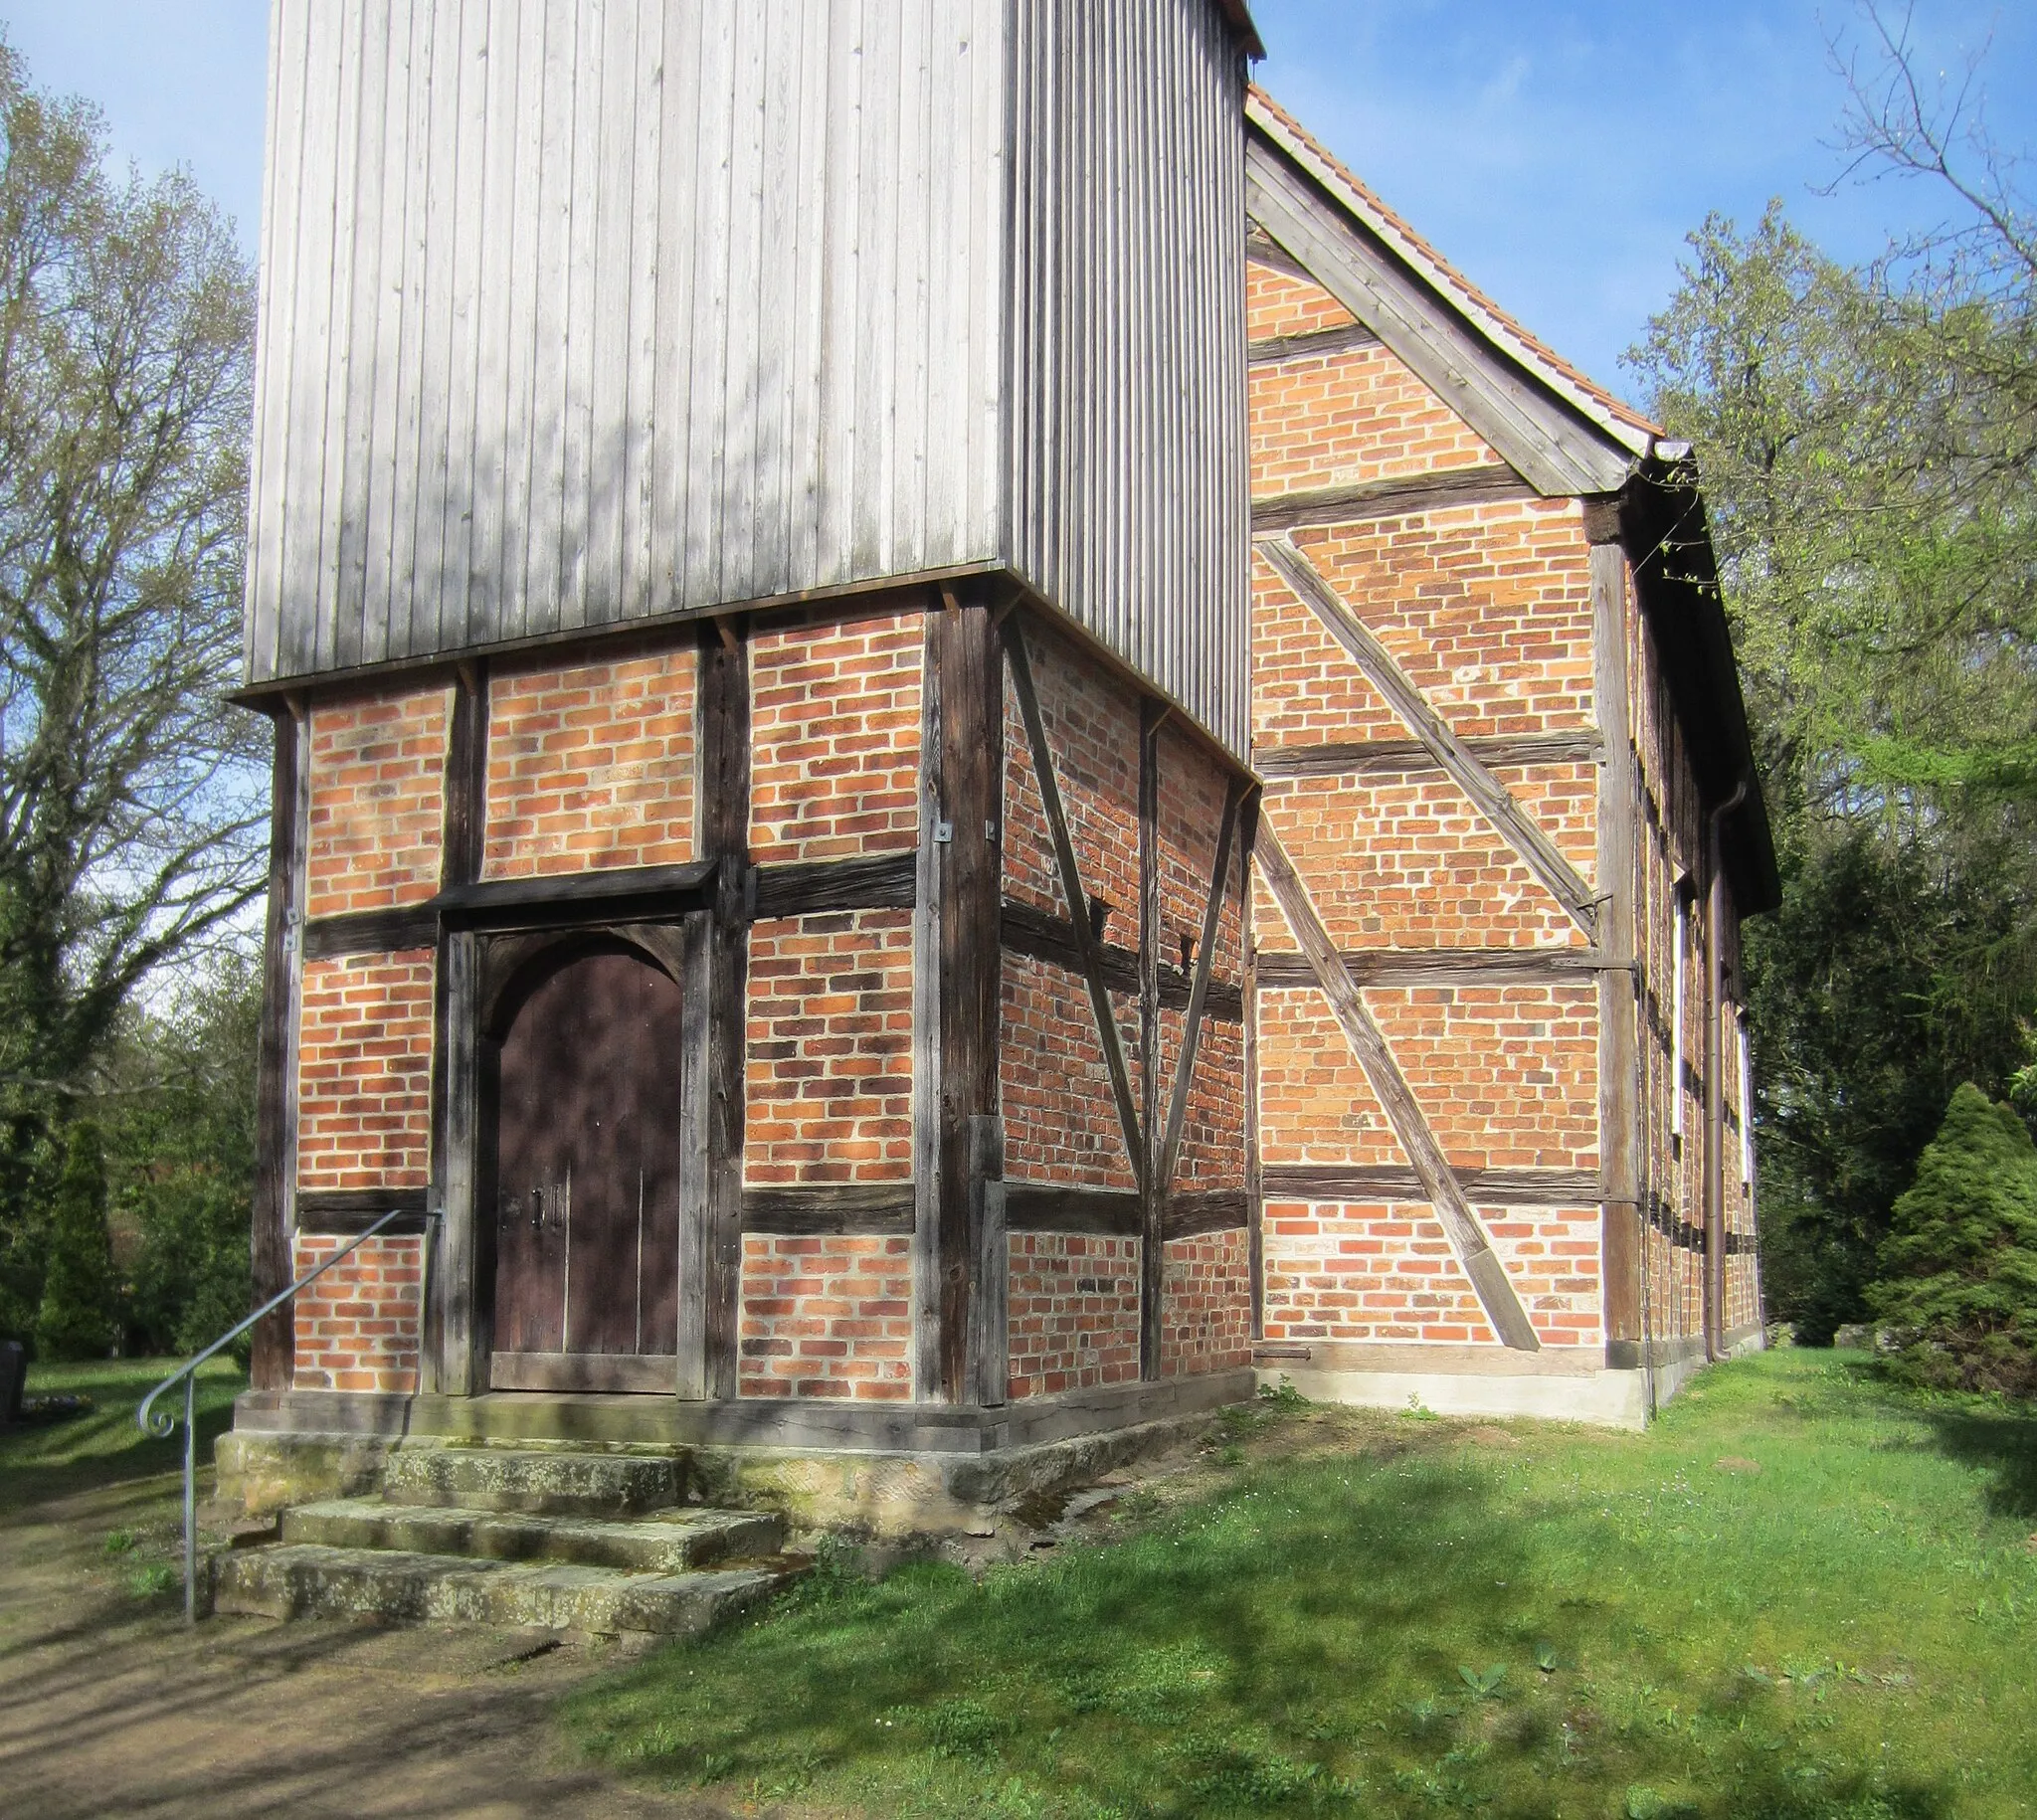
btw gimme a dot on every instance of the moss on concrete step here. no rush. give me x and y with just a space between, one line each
306 1580
541 1483
667 1542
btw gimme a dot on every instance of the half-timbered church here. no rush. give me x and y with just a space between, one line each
965 759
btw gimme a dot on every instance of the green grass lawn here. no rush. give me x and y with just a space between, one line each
44 1460
1803 1593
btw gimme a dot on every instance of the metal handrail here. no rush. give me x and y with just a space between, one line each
163 1424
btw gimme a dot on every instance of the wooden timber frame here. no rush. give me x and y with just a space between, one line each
693 919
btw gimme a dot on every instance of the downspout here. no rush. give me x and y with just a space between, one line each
1715 1086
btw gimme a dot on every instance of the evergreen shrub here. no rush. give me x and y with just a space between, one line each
1958 1281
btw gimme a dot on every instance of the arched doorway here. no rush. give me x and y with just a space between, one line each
586 1146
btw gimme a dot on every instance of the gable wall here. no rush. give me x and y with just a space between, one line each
1486 607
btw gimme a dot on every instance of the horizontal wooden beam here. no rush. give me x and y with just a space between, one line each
1040 936
1048 1206
806 1209
344 1213
1311 344
1524 1188
875 882
1359 758
614 894
329 938
1410 967
1196 1213
1395 498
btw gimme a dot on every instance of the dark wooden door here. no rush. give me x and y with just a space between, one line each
587 1178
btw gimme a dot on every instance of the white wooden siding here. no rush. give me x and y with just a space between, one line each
577 313
1128 357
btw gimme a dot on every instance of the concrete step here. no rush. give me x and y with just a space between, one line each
310 1581
664 1541
538 1483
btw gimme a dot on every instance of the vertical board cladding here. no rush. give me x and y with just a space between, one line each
357 1326
364 1072
591 765
573 315
828 1075
827 1317
378 765
1074 1313
834 722
1128 337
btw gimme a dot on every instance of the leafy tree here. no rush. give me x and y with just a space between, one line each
179 1119
76 1320
1868 438
1958 1269
131 798
1872 999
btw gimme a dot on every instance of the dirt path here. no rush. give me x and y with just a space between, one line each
109 1705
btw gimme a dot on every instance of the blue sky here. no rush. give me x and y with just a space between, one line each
1557 151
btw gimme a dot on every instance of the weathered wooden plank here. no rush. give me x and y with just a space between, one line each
1255 1196
967 766
1072 893
276 1069
1520 830
343 1212
851 1207
327 938
1396 1099
467 1239
1044 1206
1620 1054
1191 1035
1151 715
872 881
1310 345
511 903
1205 1211
1410 966
1359 758
928 1153
1519 1187
1486 484
467 778
716 962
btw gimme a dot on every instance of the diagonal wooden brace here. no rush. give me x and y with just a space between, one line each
1417 1141
1518 829
1013 632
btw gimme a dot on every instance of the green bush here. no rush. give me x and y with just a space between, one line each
76 1320
1958 1270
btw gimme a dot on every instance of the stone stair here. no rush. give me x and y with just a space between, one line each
563 1540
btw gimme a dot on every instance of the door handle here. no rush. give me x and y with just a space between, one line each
537 1209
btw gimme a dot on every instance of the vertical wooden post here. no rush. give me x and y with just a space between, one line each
1255 1194
1620 1053
276 1070
717 952
466 1318
1152 1246
959 1262
462 838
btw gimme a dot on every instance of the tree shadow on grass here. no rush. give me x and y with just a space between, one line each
44 1460
2000 1442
